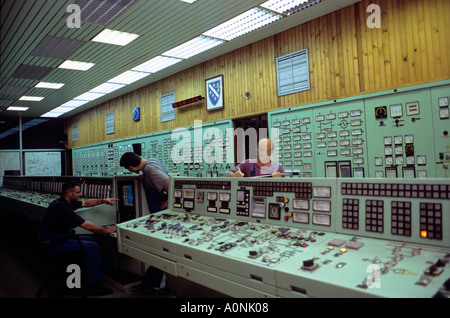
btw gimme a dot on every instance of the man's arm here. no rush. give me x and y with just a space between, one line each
93 202
92 227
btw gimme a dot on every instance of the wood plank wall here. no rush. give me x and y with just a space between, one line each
346 58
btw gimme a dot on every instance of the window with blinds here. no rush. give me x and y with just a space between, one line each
293 73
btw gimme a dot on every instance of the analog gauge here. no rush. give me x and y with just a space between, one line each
345 142
398 150
388 141
388 151
177 193
378 161
399 160
343 115
296 121
212 196
421 160
422 174
356 122
356 112
331 116
389 160
410 160
332 143
188 193
398 140
320 118
322 205
320 135
299 204
299 217
409 139
396 111
224 197
322 192
307 136
332 134
306 120
344 133
274 211
321 219
443 101
444 113
379 174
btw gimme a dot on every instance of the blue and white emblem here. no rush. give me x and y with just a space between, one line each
214 91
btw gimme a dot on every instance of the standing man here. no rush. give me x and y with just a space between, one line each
155 180
58 223
261 166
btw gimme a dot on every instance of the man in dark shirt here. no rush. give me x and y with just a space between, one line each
59 221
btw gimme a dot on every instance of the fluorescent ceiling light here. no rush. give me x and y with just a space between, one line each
106 88
17 108
193 47
31 98
89 96
156 64
189 1
49 85
115 37
128 77
75 103
244 23
281 6
74 65
58 111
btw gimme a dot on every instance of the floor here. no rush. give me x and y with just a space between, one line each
20 278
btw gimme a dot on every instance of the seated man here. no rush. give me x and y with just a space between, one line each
59 221
261 166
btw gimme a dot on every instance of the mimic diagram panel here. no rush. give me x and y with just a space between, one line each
396 134
198 151
315 237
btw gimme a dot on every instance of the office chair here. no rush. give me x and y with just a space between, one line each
54 266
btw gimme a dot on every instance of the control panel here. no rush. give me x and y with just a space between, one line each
309 237
402 133
197 151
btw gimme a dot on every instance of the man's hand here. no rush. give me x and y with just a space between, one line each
278 175
110 201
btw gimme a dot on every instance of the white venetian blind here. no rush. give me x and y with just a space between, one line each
293 73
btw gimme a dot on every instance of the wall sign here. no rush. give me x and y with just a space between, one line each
136 113
214 93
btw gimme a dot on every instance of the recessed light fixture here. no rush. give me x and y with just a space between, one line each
75 65
17 108
193 47
115 37
89 96
31 98
75 103
281 6
106 88
156 64
244 23
188 1
128 77
49 85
